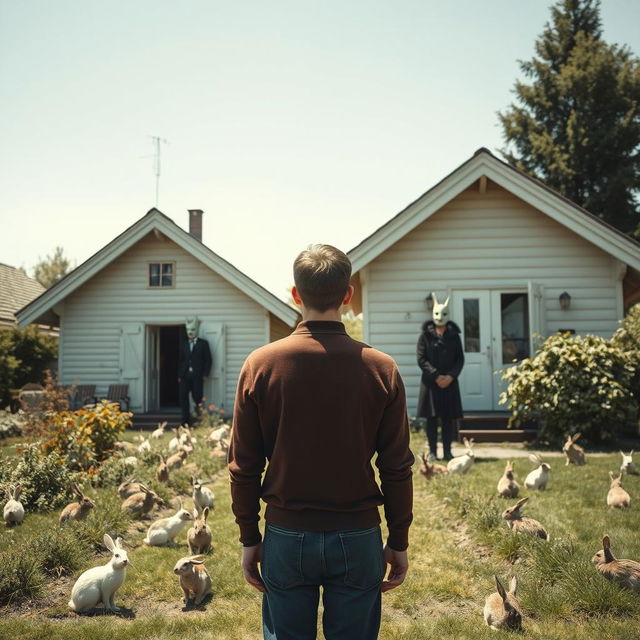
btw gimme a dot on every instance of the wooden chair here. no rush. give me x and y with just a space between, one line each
119 393
82 394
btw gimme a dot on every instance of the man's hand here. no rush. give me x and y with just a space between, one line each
250 558
444 381
399 565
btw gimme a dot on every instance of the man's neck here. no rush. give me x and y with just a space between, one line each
311 315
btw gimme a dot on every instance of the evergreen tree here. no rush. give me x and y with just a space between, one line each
51 269
576 127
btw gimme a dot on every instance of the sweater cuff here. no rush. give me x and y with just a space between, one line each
250 536
398 539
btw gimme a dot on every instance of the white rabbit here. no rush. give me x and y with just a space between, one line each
156 434
219 434
462 464
539 477
628 466
144 446
101 583
13 512
202 497
176 441
165 530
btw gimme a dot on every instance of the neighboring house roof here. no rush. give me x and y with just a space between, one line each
532 191
155 220
16 290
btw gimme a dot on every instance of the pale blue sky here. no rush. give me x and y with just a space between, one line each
289 122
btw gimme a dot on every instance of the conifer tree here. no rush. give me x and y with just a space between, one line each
51 269
576 126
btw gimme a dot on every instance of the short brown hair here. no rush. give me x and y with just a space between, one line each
322 275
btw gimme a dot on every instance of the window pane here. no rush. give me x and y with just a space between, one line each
471 325
514 313
154 275
167 275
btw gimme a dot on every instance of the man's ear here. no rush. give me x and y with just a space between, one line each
347 296
296 296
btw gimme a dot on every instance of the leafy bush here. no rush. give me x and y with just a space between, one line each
20 576
627 338
573 383
11 424
24 356
106 517
61 553
209 415
44 477
86 436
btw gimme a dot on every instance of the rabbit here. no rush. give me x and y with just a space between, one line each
174 443
100 584
162 472
221 433
175 461
539 477
221 450
523 524
129 487
202 497
573 452
617 496
625 572
199 536
139 504
194 578
157 433
13 512
501 609
507 486
77 510
462 464
628 465
125 447
144 446
430 469
164 530
130 461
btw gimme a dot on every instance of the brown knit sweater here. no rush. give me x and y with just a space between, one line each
318 406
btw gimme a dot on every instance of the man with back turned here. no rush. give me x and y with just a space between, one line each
318 406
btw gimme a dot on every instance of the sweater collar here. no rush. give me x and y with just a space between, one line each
320 326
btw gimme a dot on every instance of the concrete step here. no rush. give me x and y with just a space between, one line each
498 435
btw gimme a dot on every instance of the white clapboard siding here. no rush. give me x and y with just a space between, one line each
487 241
116 297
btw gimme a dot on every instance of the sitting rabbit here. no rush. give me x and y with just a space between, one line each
13 512
523 524
507 486
617 496
199 536
501 609
194 579
625 572
164 530
430 469
77 510
628 465
462 464
202 496
573 452
539 477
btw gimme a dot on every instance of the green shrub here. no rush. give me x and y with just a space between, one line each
11 424
627 338
573 383
20 576
61 553
44 477
106 517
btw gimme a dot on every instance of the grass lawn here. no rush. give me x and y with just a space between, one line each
458 542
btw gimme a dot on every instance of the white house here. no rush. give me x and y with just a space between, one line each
121 314
517 258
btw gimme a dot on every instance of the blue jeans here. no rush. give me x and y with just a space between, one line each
349 565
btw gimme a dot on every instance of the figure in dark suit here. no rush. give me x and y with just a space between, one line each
193 366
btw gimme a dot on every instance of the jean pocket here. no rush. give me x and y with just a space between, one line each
363 557
282 557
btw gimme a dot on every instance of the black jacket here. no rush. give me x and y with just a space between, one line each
199 359
440 355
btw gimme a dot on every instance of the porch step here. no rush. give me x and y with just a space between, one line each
149 421
498 435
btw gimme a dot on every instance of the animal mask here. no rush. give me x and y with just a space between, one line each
440 311
192 325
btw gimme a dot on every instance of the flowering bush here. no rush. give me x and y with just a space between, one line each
573 383
209 415
86 436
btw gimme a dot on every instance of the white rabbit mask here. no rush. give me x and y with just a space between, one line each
192 325
440 311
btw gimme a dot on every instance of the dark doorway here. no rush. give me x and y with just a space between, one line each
170 340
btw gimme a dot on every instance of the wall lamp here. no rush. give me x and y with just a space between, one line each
565 301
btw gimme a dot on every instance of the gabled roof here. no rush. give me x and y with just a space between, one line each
532 191
16 290
155 220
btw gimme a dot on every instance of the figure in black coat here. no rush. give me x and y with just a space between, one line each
441 358
193 366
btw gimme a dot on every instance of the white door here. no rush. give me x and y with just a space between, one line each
471 311
215 386
132 362
153 378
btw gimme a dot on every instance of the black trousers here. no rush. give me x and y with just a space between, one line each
447 434
193 384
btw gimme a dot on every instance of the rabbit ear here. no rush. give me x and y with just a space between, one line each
435 299
575 436
197 559
119 542
631 453
501 591
108 542
534 458
606 543
195 513
521 502
611 475
513 585
9 493
622 453
75 490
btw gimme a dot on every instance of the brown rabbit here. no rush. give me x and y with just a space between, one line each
199 536
175 461
139 504
625 572
194 579
501 609
573 452
617 496
523 524
129 487
77 510
507 486
162 471
430 469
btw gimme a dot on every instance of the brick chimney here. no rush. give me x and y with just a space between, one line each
195 223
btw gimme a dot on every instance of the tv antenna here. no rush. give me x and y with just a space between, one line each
156 162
